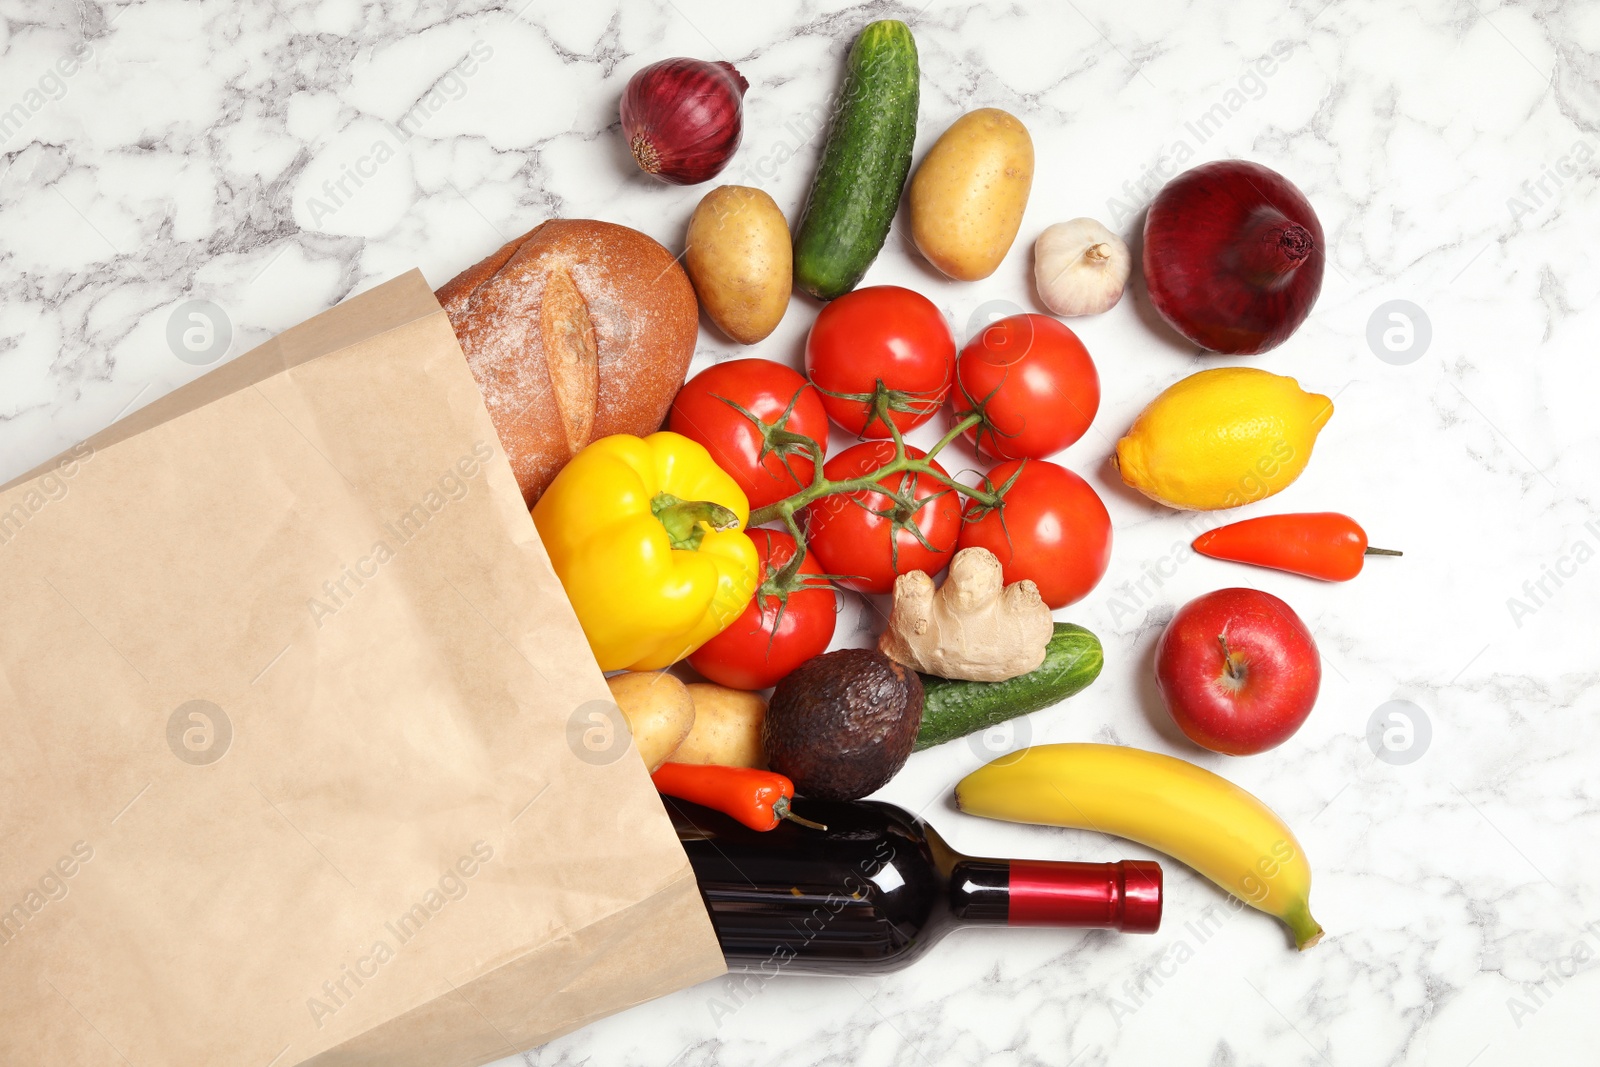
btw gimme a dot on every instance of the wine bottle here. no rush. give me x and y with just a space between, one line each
874 890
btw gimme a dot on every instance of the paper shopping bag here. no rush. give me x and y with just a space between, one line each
299 761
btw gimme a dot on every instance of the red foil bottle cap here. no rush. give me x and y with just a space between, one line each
1116 896
1141 896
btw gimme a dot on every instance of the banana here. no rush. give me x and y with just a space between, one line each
1167 804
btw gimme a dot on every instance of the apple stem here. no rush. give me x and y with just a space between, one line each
1384 552
1229 663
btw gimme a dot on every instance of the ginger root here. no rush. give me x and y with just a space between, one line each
970 627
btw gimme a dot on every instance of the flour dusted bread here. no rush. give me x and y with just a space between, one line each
575 330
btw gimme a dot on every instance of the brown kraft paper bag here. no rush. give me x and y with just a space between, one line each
305 760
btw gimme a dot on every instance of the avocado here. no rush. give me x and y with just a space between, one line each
841 724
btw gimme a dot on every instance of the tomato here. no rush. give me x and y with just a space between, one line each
777 631
762 456
887 334
1034 383
1051 528
866 549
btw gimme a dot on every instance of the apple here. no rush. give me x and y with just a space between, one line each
1238 671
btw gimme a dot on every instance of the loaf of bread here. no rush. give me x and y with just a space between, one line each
575 330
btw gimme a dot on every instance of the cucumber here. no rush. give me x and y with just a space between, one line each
952 709
864 165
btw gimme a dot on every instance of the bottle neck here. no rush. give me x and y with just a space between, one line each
1114 896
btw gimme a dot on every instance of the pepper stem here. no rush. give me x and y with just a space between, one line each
685 520
780 808
1383 552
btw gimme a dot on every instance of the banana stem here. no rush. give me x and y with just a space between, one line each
1307 931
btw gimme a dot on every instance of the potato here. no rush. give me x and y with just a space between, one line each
968 195
659 712
727 727
740 260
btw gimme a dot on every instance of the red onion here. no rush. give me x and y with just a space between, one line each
683 118
1233 256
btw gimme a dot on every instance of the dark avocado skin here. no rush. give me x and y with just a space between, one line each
842 724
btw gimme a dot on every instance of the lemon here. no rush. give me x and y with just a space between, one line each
1222 438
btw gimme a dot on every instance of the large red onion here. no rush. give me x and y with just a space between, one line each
683 118
1233 256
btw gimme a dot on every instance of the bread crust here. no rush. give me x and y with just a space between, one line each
574 331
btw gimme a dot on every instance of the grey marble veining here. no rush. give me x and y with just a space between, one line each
181 180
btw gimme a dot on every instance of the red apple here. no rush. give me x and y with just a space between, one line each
1238 671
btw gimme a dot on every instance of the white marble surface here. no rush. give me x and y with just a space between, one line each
1450 149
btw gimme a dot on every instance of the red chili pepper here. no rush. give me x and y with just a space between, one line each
1317 544
759 799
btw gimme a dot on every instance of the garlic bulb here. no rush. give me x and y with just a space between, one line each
1080 267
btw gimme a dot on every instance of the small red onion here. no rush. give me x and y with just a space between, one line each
683 118
1233 256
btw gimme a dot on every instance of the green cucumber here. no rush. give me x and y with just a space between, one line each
952 709
864 165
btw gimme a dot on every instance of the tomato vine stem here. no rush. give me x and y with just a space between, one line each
821 486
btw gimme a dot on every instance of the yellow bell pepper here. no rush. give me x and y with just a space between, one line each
646 535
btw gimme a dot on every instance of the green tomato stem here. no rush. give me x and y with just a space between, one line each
784 510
